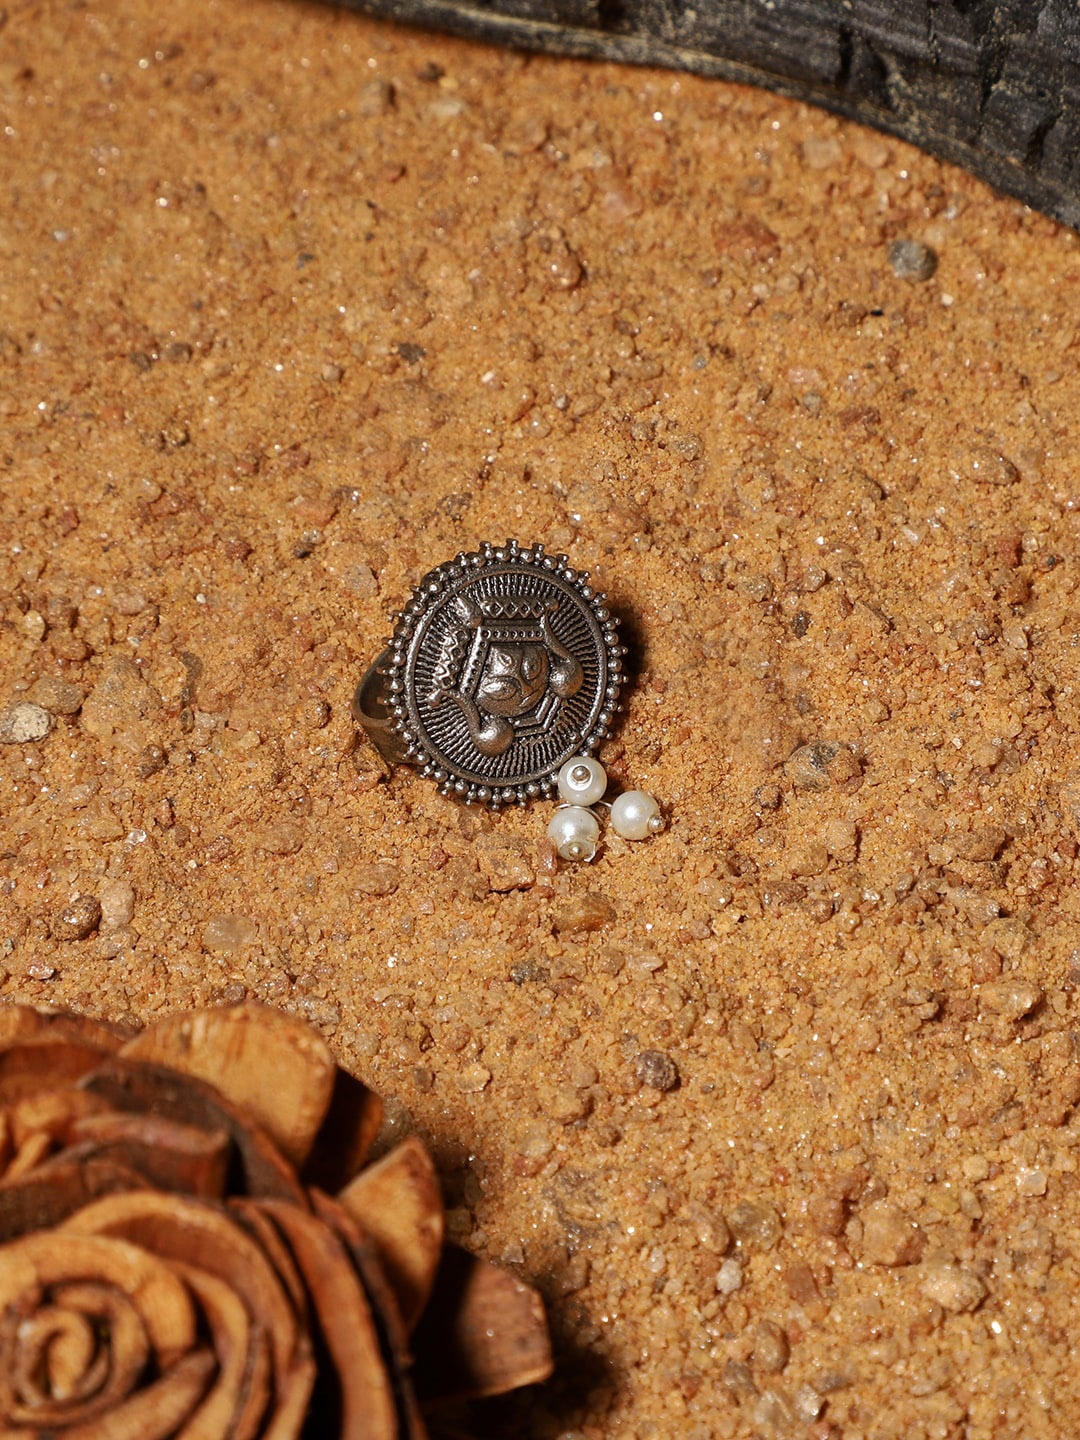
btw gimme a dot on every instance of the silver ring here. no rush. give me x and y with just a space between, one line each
504 664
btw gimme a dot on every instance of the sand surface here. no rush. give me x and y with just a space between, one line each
295 305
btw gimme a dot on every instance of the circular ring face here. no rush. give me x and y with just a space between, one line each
503 665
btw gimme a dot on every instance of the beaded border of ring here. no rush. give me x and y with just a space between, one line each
574 829
431 587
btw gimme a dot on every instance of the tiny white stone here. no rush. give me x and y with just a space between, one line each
575 832
635 815
729 1277
24 724
582 781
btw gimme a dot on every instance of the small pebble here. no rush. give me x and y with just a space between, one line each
801 1285
23 724
228 932
983 843
33 625
757 587
646 962
565 1103
810 859
710 1229
528 972
1011 999
129 602
1030 1182
956 1288
584 912
808 767
729 1277
117 904
865 1036
756 1222
771 1348
975 1168
59 697
315 713
1009 936
280 838
474 1078
533 1150
120 704
841 839
505 863
977 905
739 1379
359 580
830 1381
377 879
808 1403
912 260
988 464
774 1413
889 1237
821 152
151 759
656 1069
111 943
77 920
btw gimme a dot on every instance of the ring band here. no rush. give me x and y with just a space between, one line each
503 665
371 711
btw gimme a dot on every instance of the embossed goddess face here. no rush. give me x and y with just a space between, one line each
514 680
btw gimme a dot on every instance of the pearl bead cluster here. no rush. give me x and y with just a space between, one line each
574 829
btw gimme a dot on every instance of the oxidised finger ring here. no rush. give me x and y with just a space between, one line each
504 665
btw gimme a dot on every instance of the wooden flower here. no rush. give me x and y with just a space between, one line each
172 1262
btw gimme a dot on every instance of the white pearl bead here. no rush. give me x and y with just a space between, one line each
575 832
582 781
635 815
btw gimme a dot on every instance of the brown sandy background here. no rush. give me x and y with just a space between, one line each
293 306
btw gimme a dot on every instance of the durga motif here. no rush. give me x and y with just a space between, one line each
505 669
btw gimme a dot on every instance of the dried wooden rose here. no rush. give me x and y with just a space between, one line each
172 1262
